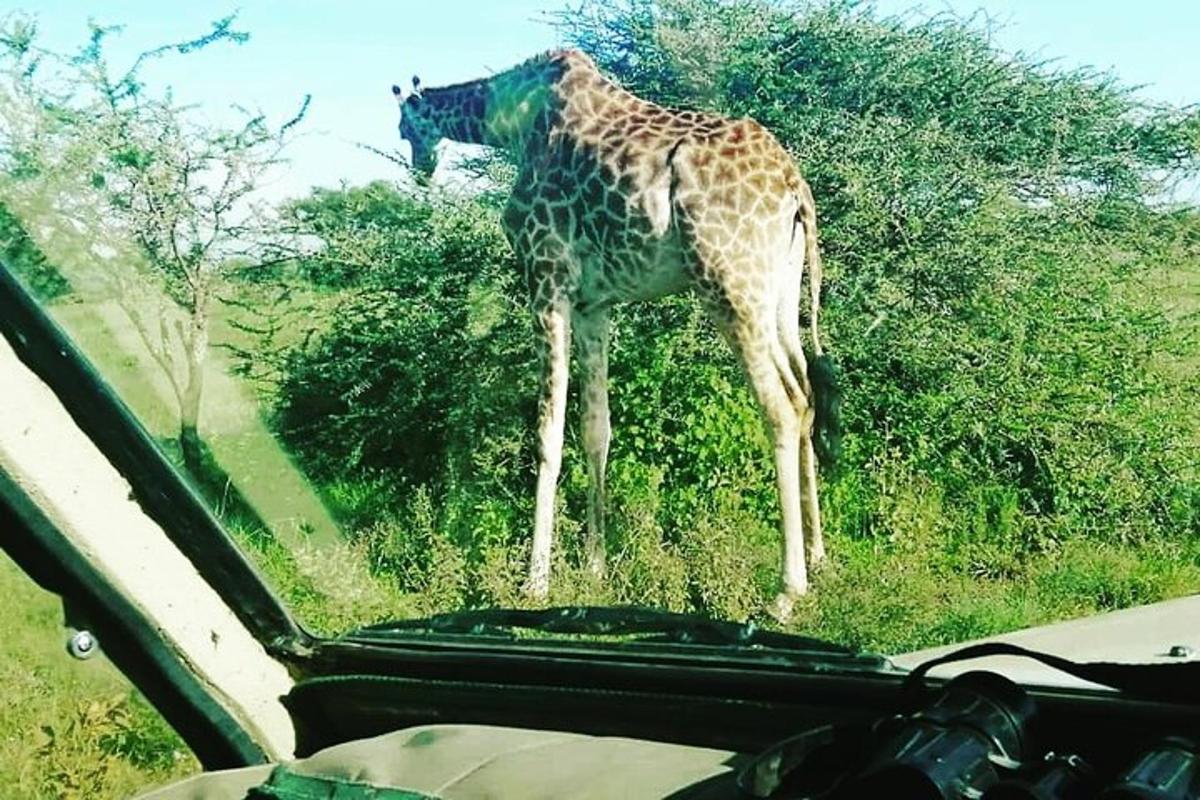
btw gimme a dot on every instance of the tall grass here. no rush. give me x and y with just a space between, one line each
71 729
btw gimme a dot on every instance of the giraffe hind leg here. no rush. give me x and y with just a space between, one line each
754 339
788 316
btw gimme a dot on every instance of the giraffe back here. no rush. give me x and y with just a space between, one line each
641 194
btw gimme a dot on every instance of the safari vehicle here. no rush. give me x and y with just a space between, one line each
560 702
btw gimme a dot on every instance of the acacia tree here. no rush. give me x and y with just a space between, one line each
167 201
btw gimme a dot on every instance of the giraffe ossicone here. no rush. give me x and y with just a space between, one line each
618 199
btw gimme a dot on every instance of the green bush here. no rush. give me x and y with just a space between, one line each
1020 442
425 352
20 254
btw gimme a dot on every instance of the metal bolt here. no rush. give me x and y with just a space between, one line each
1181 651
82 645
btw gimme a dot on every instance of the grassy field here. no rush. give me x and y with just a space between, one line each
71 729
77 729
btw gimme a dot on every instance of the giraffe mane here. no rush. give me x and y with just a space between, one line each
545 57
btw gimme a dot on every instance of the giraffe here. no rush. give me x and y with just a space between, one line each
618 199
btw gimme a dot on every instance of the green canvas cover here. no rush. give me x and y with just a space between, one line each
471 762
284 784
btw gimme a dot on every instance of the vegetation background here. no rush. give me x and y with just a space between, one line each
1010 295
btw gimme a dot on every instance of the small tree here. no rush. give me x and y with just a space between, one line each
168 202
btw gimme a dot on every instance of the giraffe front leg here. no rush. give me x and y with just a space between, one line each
553 324
591 331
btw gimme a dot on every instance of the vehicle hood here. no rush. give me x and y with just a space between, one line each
1160 633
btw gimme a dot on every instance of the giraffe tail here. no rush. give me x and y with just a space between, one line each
822 372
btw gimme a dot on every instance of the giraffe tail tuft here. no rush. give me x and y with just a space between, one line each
827 409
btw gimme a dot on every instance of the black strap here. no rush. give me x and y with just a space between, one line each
1169 682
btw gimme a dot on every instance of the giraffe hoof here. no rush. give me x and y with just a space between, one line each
597 568
782 607
535 590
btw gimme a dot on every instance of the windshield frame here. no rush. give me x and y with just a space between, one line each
48 351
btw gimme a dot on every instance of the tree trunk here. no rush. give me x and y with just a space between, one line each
195 352
189 419
193 452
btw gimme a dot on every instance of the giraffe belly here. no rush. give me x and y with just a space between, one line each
617 278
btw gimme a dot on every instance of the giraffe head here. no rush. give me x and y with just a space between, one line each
418 127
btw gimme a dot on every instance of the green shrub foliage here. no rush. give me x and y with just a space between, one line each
20 254
995 233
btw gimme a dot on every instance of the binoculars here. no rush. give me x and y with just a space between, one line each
973 740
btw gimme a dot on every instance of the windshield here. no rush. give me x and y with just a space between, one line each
858 322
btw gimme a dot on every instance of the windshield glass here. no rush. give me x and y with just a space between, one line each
857 321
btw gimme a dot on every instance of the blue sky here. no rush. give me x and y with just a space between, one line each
347 54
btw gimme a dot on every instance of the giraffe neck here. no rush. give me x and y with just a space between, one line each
458 111
507 110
